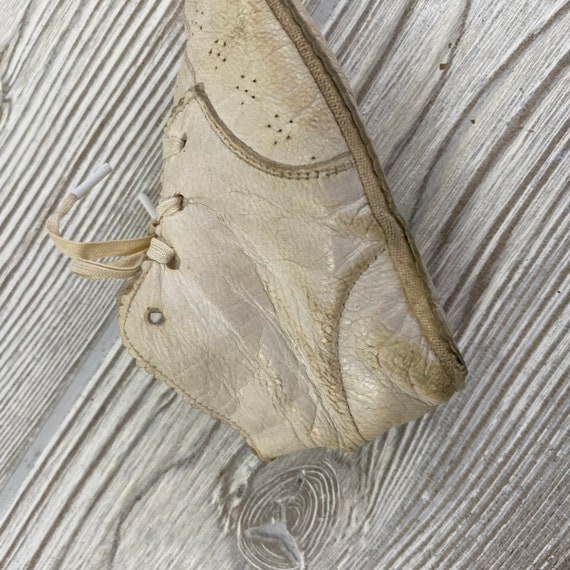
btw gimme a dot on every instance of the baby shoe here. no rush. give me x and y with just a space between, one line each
278 289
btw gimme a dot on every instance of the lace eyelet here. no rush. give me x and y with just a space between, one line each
174 263
182 200
155 316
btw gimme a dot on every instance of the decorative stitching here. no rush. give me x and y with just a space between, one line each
331 167
328 76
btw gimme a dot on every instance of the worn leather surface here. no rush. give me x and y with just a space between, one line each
286 316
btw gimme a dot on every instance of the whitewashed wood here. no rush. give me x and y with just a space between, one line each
477 155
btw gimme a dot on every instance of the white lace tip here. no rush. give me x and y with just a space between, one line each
92 180
148 205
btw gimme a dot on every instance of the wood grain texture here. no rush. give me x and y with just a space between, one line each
468 105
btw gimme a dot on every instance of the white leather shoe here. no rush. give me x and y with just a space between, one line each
278 290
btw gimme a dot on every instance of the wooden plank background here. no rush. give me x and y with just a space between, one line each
468 104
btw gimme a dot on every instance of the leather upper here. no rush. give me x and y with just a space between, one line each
285 316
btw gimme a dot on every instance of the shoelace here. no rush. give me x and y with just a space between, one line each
132 252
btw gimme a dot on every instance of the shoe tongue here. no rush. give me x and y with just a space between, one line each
257 81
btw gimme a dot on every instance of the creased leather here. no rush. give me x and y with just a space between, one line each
286 316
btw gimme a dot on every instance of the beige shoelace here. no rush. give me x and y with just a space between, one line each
131 252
